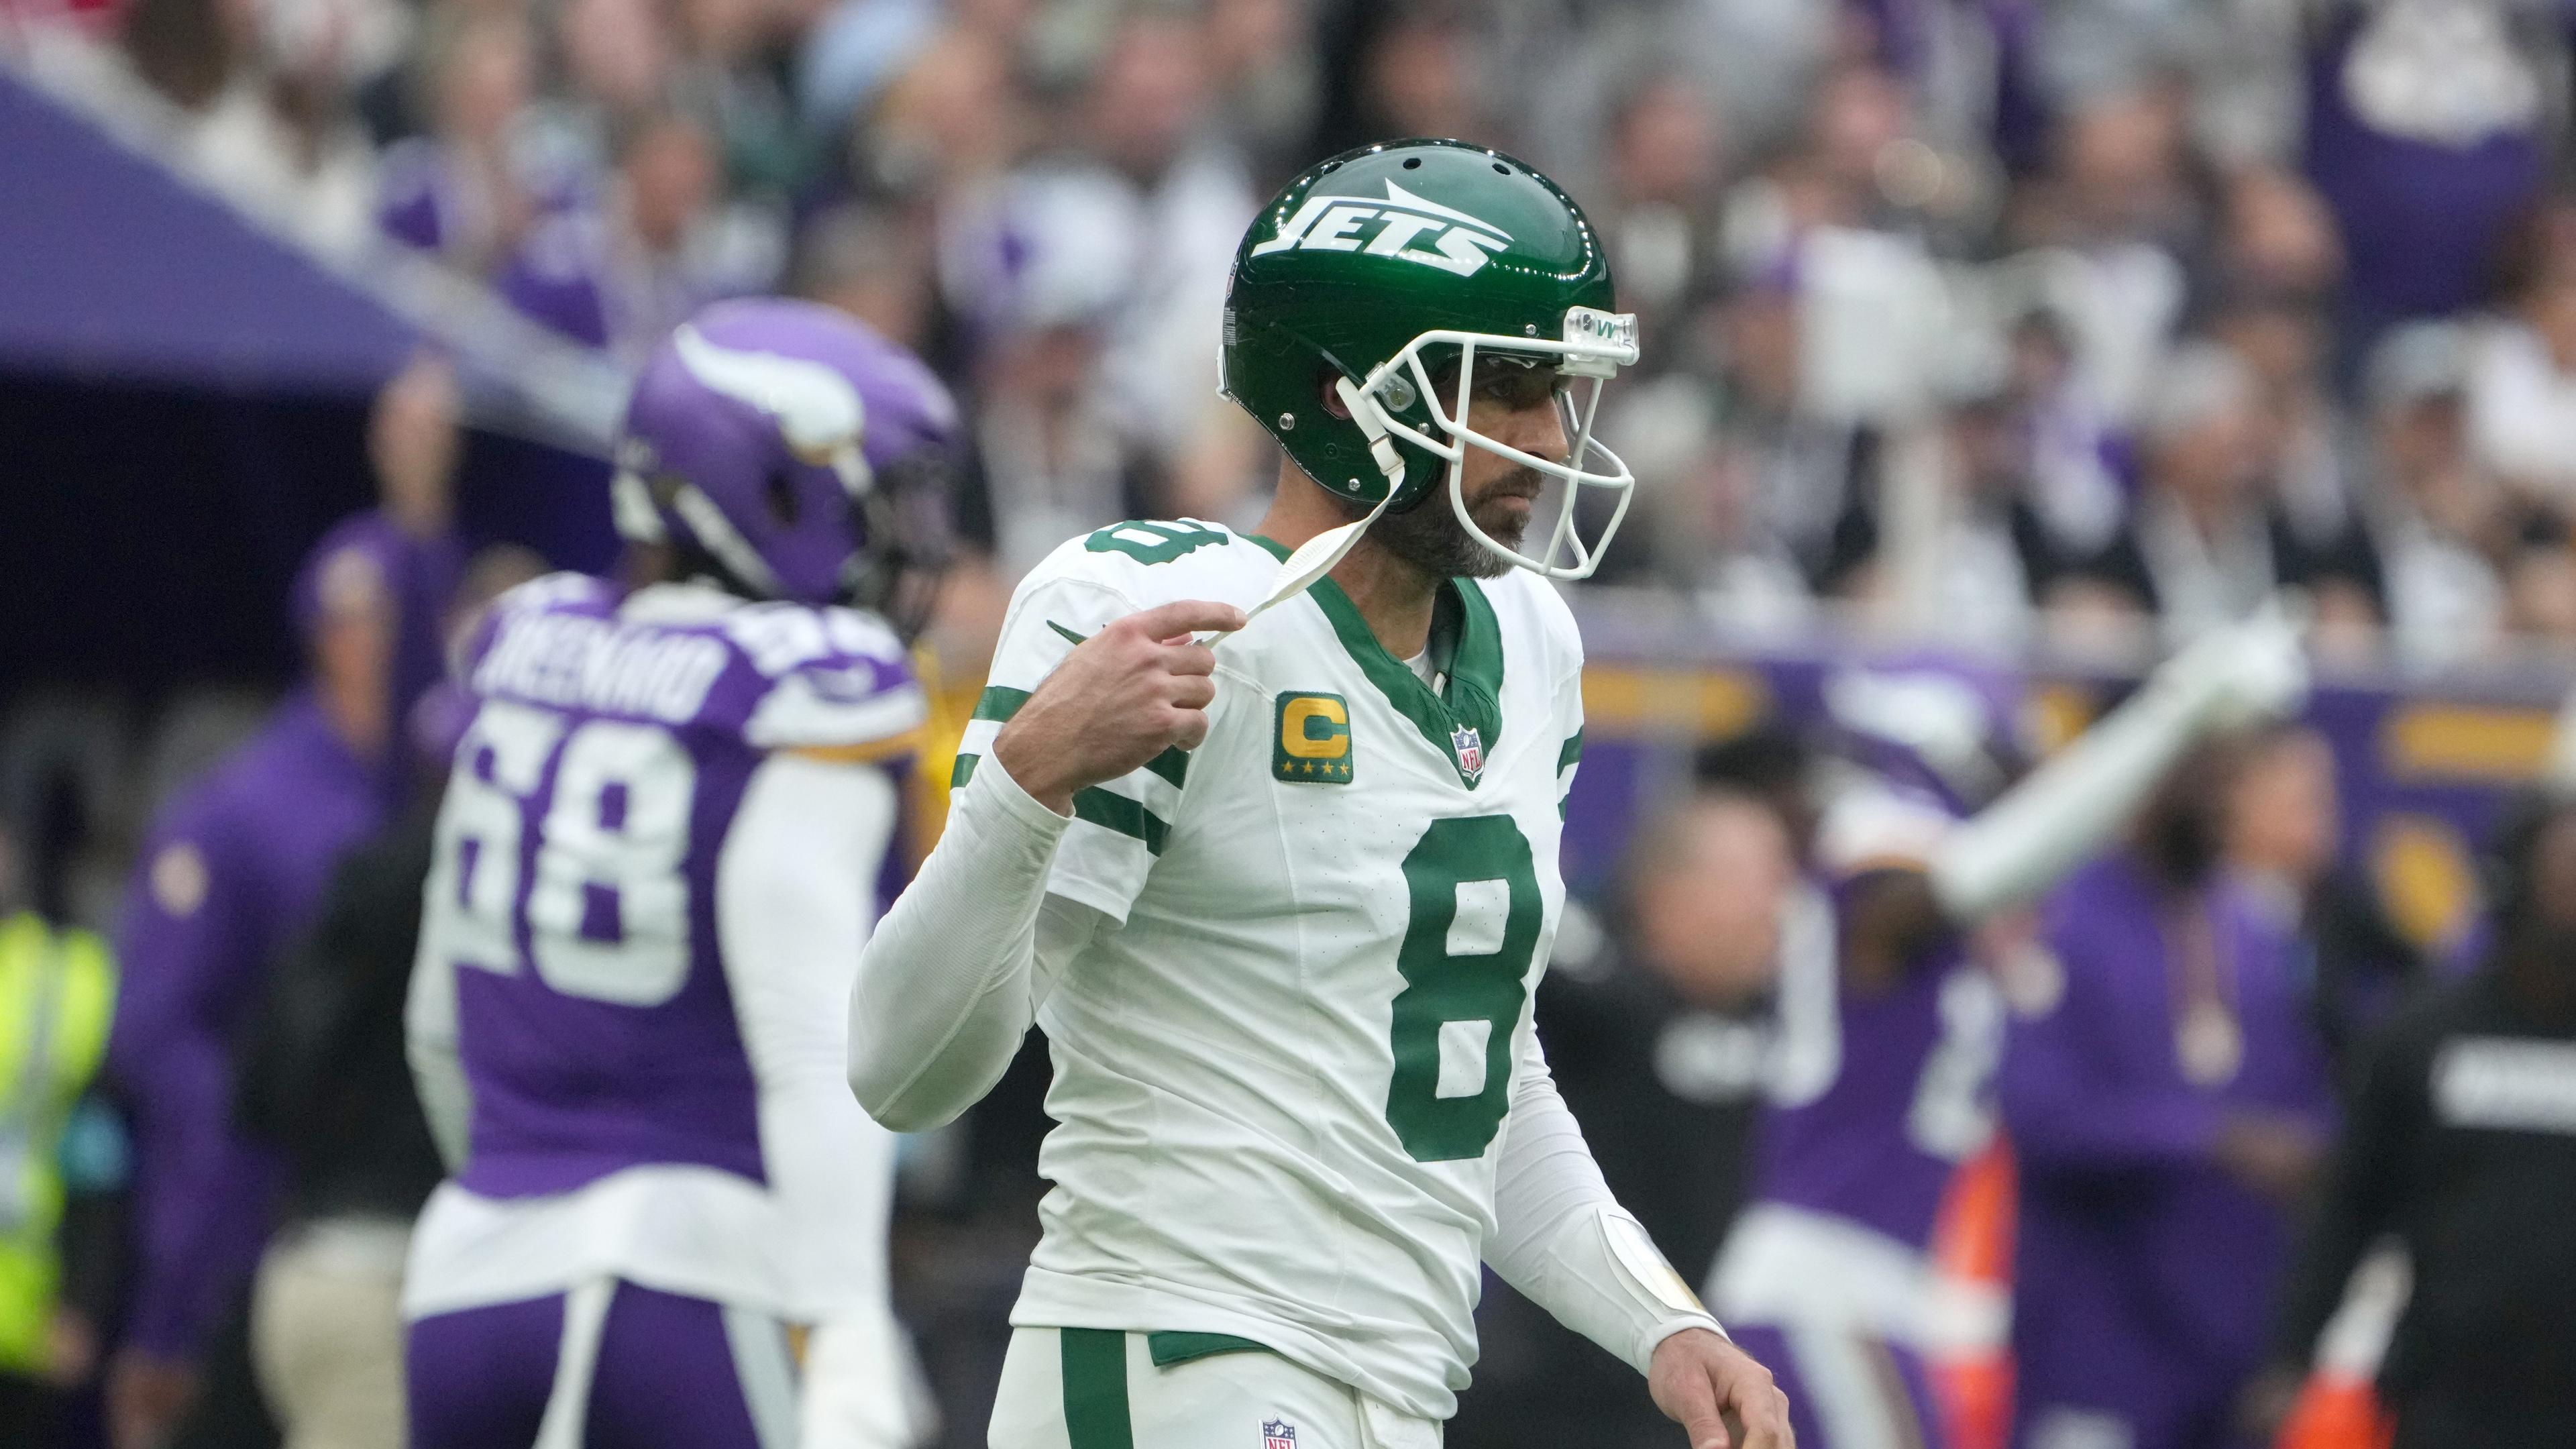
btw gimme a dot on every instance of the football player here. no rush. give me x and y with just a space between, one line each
1276 867
1890 1036
656 858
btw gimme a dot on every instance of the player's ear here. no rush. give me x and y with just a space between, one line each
1332 395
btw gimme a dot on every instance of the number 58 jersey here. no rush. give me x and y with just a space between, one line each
1285 1062
656 861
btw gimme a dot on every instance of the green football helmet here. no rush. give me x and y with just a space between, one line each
1379 271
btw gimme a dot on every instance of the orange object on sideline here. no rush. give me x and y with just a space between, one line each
1972 1253
2336 1411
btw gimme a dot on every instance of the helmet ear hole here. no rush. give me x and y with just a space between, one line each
779 491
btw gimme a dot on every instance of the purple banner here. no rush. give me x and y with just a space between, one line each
111 269
2422 765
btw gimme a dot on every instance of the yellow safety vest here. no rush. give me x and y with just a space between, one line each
57 995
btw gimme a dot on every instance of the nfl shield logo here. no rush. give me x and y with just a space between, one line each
1471 751
1278 1434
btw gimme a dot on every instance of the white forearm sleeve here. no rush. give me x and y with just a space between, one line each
2049 824
429 1042
951 978
1564 1241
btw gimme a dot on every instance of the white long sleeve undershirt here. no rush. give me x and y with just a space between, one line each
1558 1230
951 980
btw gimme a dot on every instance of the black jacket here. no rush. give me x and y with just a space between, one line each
2462 1143
326 1078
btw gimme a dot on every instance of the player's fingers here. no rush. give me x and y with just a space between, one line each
1696 1411
1193 691
1189 659
1762 1415
1186 616
1190 729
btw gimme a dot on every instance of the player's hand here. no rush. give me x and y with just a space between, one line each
146 1397
2241 673
1123 696
1718 1394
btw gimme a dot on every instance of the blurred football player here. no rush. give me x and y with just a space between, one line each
1280 899
1890 1036
657 857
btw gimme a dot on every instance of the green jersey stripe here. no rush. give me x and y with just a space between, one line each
999 702
1475 671
1565 760
1095 1389
1172 765
1117 812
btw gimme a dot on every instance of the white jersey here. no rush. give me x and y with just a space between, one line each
1284 1063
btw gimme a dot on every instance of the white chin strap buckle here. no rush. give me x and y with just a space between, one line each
1373 421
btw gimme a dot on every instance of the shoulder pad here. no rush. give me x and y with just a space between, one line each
564 590
829 678
1150 562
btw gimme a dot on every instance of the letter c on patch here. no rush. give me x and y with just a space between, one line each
1315 727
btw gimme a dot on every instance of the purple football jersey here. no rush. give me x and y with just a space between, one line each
575 883
1876 1097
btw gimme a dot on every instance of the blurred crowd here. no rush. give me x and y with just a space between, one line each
2045 319
2080 324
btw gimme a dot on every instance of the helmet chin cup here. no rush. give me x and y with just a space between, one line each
1580 359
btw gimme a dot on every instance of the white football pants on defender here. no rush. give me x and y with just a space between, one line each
1095 1389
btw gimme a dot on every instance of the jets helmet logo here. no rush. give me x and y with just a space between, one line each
1407 227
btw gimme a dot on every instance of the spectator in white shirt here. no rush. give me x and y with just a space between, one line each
2522 386
2436 518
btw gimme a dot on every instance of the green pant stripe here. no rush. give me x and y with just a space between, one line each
1095 1389
1168 1349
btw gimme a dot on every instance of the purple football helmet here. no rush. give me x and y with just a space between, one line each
789 449
1933 721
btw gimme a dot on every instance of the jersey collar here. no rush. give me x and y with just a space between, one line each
1473 699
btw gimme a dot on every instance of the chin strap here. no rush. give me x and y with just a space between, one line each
1381 447
1316 556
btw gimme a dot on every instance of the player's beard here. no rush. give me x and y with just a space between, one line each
1429 536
